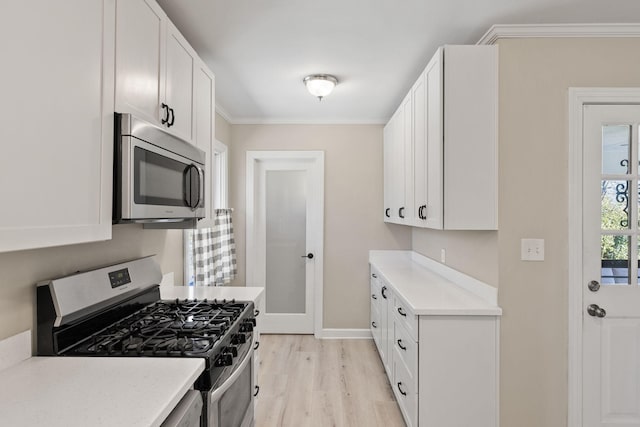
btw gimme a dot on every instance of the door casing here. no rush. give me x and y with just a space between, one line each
578 98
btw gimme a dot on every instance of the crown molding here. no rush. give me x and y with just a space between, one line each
223 113
503 31
294 121
291 121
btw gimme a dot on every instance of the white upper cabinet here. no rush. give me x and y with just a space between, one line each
470 134
179 83
139 58
452 178
398 186
204 83
56 153
154 68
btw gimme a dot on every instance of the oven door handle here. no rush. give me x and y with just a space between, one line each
218 392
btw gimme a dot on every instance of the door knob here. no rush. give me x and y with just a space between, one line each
309 255
594 285
595 311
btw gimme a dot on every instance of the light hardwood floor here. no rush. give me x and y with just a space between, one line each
309 382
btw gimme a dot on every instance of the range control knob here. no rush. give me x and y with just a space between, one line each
246 326
225 359
239 339
233 349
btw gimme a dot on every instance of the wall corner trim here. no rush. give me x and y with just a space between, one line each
503 31
15 349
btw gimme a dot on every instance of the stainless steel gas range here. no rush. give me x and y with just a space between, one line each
116 311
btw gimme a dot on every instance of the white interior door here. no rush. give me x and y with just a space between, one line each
611 295
285 238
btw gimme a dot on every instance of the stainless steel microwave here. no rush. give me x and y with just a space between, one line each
157 177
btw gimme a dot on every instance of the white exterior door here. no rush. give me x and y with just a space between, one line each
611 295
285 199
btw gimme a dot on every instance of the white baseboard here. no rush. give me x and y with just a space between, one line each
346 334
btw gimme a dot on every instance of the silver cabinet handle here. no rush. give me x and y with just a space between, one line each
374 296
595 311
401 311
401 346
374 324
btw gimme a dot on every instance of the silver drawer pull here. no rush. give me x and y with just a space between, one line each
401 391
401 311
401 346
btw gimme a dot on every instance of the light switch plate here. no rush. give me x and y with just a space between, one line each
532 249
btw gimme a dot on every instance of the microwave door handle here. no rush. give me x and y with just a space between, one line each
194 187
201 186
187 186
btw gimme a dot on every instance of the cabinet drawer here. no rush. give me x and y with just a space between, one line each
405 390
407 350
406 317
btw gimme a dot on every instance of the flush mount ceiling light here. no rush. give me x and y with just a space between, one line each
320 85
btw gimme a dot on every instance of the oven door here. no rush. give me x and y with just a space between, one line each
159 184
231 404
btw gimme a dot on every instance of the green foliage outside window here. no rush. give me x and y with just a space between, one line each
613 247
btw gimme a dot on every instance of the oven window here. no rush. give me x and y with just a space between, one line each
158 179
236 400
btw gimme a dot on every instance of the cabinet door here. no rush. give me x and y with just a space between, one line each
140 59
420 194
180 65
386 319
398 160
397 186
388 171
204 82
435 140
406 176
57 129
470 131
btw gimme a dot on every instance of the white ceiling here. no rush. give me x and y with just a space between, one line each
260 50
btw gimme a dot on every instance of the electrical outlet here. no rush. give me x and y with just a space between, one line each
532 249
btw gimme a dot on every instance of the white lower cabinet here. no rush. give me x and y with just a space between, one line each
458 376
405 388
381 315
441 359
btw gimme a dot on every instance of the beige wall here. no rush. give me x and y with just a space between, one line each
223 130
472 252
19 271
535 75
353 207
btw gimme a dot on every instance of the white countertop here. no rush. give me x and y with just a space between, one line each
421 284
94 391
240 293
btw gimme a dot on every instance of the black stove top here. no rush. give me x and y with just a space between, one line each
187 328
116 311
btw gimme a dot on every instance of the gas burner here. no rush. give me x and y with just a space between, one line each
169 328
